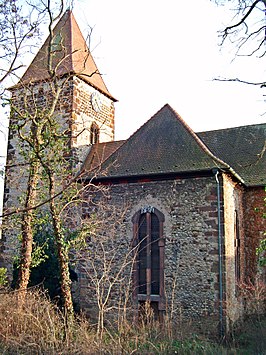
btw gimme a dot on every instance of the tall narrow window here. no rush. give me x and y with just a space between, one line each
148 245
94 134
237 248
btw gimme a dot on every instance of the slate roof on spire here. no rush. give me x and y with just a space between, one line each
69 55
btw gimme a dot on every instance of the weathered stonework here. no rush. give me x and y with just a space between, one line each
30 101
191 240
74 115
255 227
233 215
84 115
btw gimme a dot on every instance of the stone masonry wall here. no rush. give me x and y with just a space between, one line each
84 114
233 215
255 227
191 248
74 115
30 100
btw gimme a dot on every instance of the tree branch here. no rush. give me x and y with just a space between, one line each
243 19
261 84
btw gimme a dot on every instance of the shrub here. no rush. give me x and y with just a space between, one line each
3 277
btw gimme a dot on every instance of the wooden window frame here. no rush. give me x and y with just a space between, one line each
137 297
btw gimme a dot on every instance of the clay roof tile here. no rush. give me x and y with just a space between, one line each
65 52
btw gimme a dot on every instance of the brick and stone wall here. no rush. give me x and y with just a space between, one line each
191 235
28 103
84 115
73 113
255 226
233 239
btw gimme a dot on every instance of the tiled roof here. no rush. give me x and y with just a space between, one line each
99 153
165 144
243 148
70 55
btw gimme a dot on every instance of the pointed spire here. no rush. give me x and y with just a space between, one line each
69 55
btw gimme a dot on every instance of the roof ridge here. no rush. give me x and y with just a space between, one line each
71 35
126 140
200 143
231 128
204 147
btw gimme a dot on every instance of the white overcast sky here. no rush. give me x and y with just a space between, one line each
154 52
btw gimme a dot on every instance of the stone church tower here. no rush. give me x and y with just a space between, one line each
88 106
63 74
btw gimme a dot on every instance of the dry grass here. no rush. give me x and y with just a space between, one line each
38 327
32 328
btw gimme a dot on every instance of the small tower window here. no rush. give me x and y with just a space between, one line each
94 134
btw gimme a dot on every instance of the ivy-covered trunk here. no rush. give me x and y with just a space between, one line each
27 228
62 252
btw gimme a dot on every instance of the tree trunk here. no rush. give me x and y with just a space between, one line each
27 230
62 251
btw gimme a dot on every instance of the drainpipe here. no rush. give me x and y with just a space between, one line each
221 326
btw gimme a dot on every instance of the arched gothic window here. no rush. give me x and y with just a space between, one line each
94 134
148 244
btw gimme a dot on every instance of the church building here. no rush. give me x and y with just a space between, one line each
192 202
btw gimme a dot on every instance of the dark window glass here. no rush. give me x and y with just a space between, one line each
142 254
155 255
148 254
237 248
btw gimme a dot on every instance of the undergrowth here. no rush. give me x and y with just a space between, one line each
39 327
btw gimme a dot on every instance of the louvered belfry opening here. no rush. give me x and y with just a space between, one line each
148 243
94 134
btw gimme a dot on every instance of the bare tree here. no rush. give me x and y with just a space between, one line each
37 135
247 32
41 123
105 262
44 156
16 30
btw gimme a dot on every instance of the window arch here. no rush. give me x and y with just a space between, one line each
94 133
148 271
